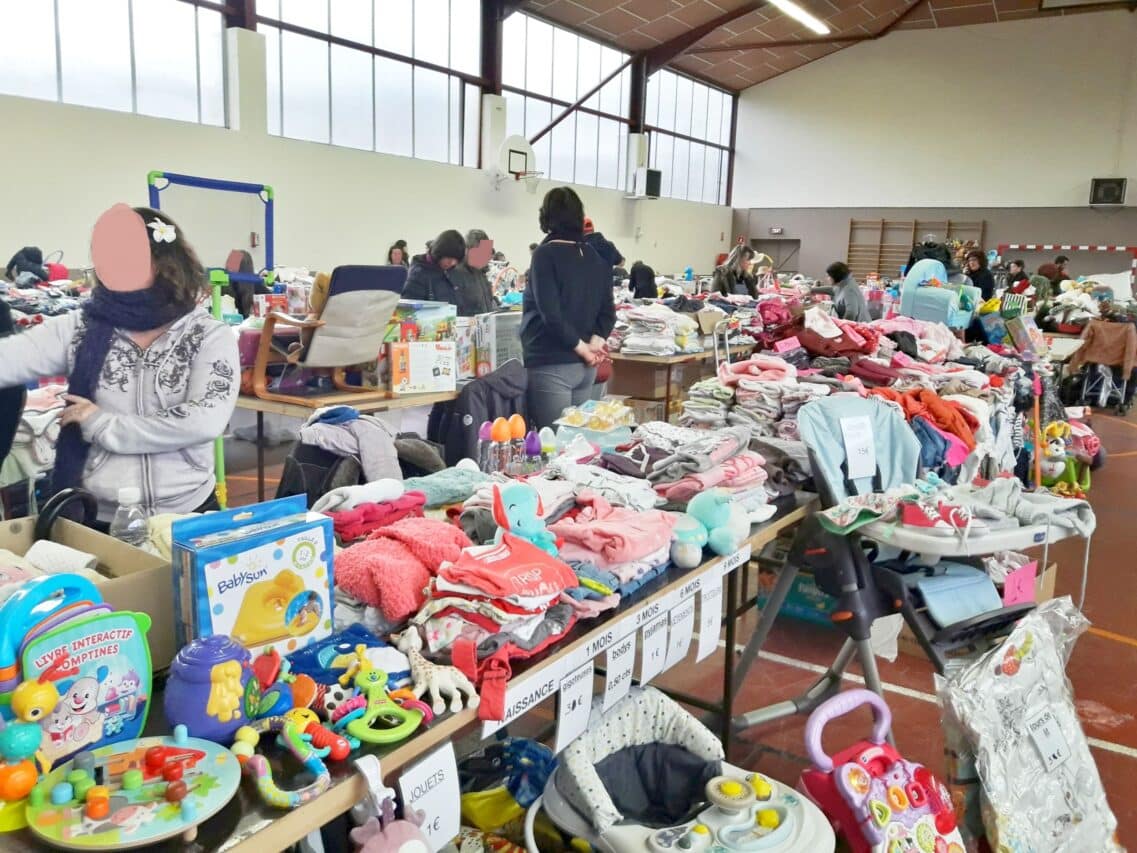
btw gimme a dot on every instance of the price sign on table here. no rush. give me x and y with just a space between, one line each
575 706
682 621
431 787
654 648
621 659
710 616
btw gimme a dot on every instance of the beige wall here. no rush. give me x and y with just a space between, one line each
824 232
1015 114
61 165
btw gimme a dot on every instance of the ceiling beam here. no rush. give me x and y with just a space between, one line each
849 39
662 54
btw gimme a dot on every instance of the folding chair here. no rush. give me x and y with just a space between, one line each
843 565
349 332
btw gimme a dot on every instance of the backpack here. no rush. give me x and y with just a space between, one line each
312 471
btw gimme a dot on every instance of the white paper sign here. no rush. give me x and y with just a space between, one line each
1048 740
654 649
739 558
575 706
682 621
431 787
621 660
860 453
710 616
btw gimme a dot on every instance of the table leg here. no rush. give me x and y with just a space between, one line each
260 456
728 662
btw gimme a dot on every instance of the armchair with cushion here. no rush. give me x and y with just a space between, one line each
945 304
349 331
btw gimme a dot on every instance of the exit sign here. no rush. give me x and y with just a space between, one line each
777 230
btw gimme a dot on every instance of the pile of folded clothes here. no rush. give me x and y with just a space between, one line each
654 330
707 404
476 516
720 459
614 548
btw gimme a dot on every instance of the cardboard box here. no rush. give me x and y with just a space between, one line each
645 381
465 348
645 410
498 339
422 367
265 303
134 579
419 320
1027 336
1043 591
261 574
708 318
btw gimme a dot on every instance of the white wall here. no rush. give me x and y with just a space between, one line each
61 165
1015 114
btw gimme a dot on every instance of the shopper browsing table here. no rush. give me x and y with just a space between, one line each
153 379
567 311
734 276
980 276
848 301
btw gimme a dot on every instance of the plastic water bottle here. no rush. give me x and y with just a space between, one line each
129 524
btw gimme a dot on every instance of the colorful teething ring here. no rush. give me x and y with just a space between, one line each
292 738
414 704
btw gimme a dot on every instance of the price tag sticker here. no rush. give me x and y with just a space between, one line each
431 787
1048 739
621 660
710 616
860 453
575 706
654 649
682 626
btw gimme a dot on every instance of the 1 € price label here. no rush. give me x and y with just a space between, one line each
621 660
654 649
682 619
431 787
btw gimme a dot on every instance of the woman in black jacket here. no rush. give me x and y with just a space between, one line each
980 276
643 281
734 276
567 311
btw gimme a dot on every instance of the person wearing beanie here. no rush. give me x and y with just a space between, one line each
471 275
152 377
604 247
433 277
567 311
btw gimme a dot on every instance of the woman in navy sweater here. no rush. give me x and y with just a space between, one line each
567 312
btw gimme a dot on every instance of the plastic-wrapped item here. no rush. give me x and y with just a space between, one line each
1014 705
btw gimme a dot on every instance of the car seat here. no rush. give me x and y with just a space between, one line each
648 775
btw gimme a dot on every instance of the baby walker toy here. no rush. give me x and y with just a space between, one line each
132 794
877 801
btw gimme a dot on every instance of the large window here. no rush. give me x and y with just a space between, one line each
415 93
545 69
157 57
689 124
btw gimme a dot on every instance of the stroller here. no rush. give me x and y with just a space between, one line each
1107 357
648 775
948 605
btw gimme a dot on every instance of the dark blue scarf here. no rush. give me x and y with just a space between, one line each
105 311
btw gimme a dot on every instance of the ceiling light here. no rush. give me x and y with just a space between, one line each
789 7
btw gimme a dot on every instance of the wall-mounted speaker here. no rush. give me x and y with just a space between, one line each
647 183
1107 192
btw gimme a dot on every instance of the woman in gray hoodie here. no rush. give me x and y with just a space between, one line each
152 377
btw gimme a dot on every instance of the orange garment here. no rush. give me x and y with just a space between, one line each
1111 344
948 416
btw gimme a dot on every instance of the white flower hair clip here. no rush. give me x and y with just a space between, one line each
164 232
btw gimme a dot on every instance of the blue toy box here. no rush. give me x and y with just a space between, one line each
261 574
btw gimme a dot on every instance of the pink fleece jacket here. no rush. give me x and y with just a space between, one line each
391 568
766 368
739 471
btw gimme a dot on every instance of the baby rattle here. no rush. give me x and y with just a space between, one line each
300 732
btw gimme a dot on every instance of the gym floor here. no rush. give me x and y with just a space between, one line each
1102 668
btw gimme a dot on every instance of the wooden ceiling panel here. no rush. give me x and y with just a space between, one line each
641 24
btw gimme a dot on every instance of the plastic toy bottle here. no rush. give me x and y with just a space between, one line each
532 452
516 444
485 432
129 524
499 448
548 443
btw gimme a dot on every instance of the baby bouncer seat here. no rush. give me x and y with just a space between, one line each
647 776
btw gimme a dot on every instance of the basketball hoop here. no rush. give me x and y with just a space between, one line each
531 178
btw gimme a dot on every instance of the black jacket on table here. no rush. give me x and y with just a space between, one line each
428 281
726 283
568 300
454 424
